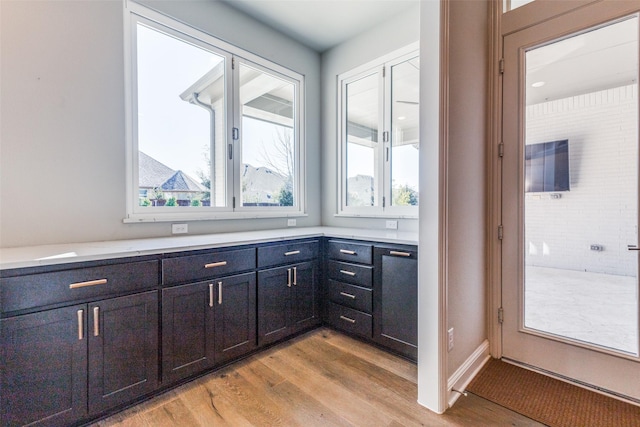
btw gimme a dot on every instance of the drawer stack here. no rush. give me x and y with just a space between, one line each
349 287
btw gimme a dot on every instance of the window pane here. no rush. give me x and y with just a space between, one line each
362 139
268 140
405 78
180 122
508 5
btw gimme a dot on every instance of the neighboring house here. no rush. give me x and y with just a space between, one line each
158 183
261 186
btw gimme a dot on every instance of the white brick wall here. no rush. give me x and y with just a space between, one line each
601 207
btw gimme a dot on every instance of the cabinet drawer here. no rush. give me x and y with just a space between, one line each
351 252
349 320
350 273
288 253
38 290
350 296
205 266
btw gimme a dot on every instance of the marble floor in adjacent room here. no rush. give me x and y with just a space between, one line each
601 309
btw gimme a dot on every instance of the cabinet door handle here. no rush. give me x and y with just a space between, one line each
80 325
288 277
210 294
295 276
292 253
88 283
215 264
96 321
348 252
347 319
219 293
344 294
398 253
348 273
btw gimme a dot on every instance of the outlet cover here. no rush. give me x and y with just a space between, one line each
450 338
392 225
291 223
179 228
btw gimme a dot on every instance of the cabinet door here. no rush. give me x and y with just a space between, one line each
123 349
274 304
395 316
235 316
43 374
305 294
187 330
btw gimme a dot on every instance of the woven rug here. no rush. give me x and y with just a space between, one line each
548 400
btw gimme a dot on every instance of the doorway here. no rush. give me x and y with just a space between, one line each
570 198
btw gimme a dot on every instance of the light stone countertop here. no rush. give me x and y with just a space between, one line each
33 256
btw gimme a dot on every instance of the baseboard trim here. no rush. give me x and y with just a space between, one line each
458 382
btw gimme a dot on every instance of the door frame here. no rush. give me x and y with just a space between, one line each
501 25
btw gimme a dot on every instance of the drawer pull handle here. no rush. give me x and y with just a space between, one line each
210 294
219 293
88 283
288 277
80 325
292 253
96 321
398 253
215 264
348 273
347 319
344 294
348 252
295 276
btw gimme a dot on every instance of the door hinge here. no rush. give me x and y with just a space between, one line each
500 232
384 199
235 134
384 71
501 65
501 149
233 63
233 202
500 315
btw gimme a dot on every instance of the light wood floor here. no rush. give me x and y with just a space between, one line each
322 378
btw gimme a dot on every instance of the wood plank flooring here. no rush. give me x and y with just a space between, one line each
322 378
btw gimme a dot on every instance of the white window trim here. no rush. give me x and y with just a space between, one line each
384 166
134 13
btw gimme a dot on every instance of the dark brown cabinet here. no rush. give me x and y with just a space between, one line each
122 335
43 374
64 364
187 330
235 316
395 289
288 300
207 323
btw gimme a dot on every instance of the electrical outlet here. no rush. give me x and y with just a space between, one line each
179 228
291 223
393 225
450 338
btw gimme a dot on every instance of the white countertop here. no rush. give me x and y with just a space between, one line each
32 256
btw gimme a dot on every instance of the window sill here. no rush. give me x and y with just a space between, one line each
144 218
373 215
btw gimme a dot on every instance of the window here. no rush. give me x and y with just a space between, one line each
379 143
213 131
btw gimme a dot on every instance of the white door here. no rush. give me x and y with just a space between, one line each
570 197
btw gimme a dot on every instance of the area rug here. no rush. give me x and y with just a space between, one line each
550 401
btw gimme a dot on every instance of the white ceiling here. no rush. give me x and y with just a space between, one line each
321 24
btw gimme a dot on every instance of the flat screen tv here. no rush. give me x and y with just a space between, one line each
547 167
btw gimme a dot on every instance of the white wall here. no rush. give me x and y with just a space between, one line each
601 207
397 32
466 178
62 137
